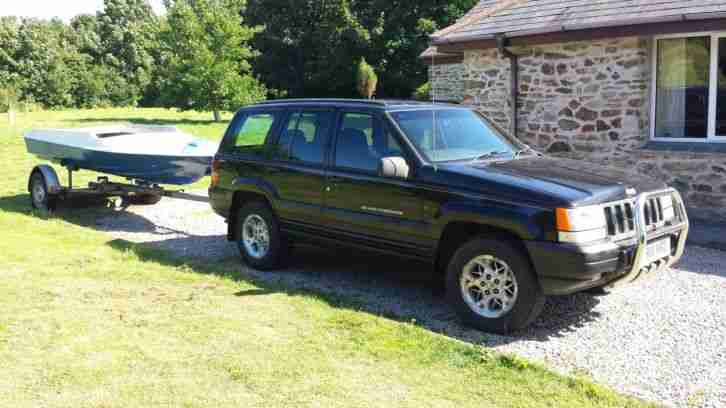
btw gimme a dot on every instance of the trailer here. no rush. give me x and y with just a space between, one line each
46 191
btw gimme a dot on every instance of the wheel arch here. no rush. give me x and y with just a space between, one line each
457 233
52 182
239 199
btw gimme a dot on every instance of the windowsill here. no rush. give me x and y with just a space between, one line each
685 147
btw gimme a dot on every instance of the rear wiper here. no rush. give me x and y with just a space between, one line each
491 155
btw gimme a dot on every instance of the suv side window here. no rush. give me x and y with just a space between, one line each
392 147
305 137
362 142
250 133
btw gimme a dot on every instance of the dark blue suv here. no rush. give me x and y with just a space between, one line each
503 225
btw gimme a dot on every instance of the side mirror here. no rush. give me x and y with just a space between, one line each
394 167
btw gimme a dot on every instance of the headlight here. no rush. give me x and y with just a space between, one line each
580 225
669 211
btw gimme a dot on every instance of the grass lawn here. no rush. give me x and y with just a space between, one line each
89 322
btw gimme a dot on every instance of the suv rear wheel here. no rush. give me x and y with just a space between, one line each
260 242
492 286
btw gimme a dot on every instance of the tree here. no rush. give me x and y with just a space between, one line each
400 31
128 32
9 94
206 56
310 48
41 60
367 80
93 61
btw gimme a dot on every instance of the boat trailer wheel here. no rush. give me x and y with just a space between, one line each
40 198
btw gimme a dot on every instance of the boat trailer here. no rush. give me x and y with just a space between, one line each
46 190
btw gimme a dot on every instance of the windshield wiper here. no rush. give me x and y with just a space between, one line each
491 155
527 149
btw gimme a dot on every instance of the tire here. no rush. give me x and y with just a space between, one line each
265 257
40 199
142 199
489 259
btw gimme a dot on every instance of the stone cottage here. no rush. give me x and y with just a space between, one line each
639 84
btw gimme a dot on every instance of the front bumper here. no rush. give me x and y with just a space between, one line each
568 268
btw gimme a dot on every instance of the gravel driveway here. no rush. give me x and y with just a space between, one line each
662 338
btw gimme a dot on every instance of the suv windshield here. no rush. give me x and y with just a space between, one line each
453 134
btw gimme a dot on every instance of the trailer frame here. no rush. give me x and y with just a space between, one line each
46 191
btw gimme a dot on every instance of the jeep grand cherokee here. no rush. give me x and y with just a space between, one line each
503 225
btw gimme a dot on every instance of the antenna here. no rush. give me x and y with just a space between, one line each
433 100
433 70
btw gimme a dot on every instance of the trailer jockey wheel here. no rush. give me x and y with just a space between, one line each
40 198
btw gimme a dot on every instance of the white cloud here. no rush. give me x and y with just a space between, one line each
63 9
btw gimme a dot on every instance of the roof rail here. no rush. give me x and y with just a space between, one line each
324 100
372 102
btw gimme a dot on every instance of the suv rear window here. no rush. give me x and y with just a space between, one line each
249 133
254 130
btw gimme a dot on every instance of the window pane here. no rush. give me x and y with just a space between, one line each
308 141
682 87
305 136
392 147
254 131
354 148
459 134
721 91
283 144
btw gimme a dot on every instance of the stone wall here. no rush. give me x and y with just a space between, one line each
587 100
447 82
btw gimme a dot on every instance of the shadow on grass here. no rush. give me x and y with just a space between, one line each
86 212
401 290
149 121
379 285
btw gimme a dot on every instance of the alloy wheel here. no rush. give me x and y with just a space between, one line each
489 286
255 236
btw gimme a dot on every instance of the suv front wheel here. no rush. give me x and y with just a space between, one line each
260 242
492 286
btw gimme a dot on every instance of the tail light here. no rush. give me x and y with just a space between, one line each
216 166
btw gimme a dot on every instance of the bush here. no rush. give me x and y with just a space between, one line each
367 80
423 92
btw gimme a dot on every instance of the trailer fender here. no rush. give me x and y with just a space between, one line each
52 182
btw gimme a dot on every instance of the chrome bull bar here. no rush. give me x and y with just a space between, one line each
640 263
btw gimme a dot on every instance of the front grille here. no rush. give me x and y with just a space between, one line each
653 211
620 219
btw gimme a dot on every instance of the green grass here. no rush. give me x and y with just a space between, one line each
88 321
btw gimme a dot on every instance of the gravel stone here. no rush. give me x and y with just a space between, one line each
662 338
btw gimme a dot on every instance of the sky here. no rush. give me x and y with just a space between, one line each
64 9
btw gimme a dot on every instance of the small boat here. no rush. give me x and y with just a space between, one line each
153 154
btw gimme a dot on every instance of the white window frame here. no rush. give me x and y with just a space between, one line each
711 136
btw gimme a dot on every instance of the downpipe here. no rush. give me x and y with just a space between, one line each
502 44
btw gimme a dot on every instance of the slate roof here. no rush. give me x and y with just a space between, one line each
515 18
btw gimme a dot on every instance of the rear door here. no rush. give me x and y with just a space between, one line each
361 205
298 167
